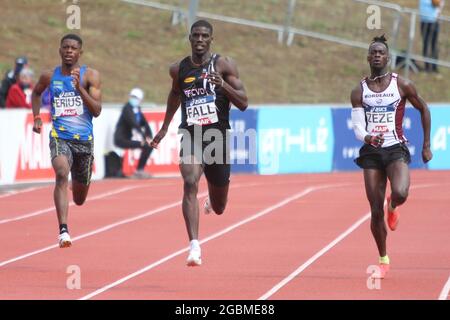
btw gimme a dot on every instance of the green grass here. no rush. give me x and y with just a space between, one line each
53 22
133 46
134 35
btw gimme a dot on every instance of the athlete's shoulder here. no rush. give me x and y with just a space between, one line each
227 65
404 82
92 76
46 75
174 68
356 95
44 81
226 60
48 72
92 72
406 87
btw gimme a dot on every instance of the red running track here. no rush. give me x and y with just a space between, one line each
281 237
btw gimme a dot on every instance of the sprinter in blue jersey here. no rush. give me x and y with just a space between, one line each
75 99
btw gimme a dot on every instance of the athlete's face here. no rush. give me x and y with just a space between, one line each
200 39
378 56
70 51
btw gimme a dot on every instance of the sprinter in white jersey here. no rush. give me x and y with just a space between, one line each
377 116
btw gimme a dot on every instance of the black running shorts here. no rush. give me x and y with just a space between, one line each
371 157
80 155
211 149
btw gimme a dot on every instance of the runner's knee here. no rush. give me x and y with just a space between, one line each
61 175
399 195
218 208
79 200
377 216
377 210
190 184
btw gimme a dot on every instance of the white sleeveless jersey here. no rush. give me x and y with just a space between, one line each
384 112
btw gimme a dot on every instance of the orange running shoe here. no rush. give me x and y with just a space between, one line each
392 217
381 273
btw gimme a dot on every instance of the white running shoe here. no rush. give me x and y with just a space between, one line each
207 206
64 240
194 258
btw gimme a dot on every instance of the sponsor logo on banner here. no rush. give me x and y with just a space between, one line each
440 137
243 141
292 140
34 154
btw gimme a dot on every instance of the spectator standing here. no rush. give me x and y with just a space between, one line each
10 79
19 95
429 28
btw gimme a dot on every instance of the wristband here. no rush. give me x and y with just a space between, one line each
37 117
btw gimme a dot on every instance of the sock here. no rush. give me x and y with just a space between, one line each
390 207
63 228
384 260
195 244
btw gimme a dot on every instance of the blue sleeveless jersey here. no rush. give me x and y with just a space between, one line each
71 119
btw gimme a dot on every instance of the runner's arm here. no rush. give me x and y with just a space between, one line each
173 103
92 97
359 122
410 92
41 85
232 85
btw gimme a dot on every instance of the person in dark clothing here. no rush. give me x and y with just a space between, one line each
131 119
10 79
430 11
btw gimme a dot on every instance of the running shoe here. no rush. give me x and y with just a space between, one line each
392 217
64 240
383 269
194 258
141 174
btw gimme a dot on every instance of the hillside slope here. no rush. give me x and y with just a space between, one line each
133 46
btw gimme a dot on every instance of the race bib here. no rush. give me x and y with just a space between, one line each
68 104
201 111
380 120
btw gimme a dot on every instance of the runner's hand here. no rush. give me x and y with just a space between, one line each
376 141
427 155
75 73
37 125
157 139
216 79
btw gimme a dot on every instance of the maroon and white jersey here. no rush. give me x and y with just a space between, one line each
384 112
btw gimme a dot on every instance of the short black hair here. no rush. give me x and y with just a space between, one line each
380 39
72 36
202 23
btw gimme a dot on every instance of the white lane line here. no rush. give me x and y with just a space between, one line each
111 226
92 198
50 209
96 231
445 291
324 250
215 235
314 258
15 192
